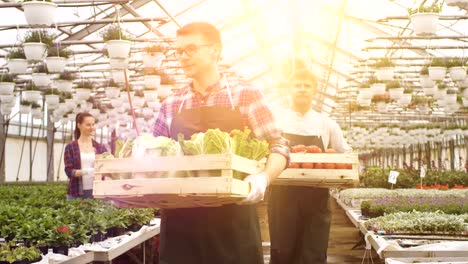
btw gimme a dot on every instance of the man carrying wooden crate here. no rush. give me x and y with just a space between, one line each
299 217
226 234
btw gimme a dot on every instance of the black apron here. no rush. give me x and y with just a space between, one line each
228 234
299 218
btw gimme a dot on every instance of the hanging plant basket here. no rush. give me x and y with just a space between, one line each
52 99
118 48
8 99
465 102
450 99
378 88
153 60
405 100
112 92
17 66
437 73
118 63
385 73
457 73
138 101
425 23
426 81
24 109
5 109
56 64
64 86
152 81
39 13
7 88
440 93
365 93
119 76
151 96
430 90
82 94
364 102
164 90
395 93
37 113
41 79
32 96
35 51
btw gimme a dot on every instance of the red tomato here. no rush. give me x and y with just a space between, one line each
307 165
330 150
319 165
329 166
341 166
349 166
313 149
298 148
294 165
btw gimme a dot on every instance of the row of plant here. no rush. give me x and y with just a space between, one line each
41 216
419 223
376 177
11 253
380 206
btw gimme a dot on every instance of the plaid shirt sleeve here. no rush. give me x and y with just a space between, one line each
160 127
69 161
72 163
263 123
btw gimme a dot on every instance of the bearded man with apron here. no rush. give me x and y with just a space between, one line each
226 234
299 217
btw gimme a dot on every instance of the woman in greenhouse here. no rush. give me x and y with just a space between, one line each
79 158
304 208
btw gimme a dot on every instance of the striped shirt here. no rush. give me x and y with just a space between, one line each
253 107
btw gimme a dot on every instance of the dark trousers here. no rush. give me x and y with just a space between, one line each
299 221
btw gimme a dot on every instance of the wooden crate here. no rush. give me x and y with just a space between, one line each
174 192
322 178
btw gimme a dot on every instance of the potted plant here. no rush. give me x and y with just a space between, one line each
39 13
425 19
52 98
437 69
60 239
395 90
65 81
10 253
57 59
138 99
36 43
424 78
17 63
451 96
36 110
152 78
118 63
456 69
25 107
385 69
7 84
117 42
153 56
40 76
31 93
83 90
441 91
119 75
377 87
405 99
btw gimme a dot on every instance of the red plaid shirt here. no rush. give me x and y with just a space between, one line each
72 161
251 103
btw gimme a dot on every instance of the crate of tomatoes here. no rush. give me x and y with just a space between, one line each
311 167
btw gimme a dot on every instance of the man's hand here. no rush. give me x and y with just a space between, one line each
258 185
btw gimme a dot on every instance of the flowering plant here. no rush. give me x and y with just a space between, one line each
61 236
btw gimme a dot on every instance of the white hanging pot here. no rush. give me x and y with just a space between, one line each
118 48
116 102
378 88
465 93
405 99
32 96
463 83
7 88
7 99
112 92
381 107
41 79
82 94
425 81
56 64
152 81
465 102
37 113
364 102
450 99
35 51
164 90
5 109
52 99
425 23
459 3
396 93
94 111
366 93
64 86
138 101
437 73
118 63
39 13
385 73
119 76
17 66
457 73
24 109
153 60
147 112
440 94
151 96
430 90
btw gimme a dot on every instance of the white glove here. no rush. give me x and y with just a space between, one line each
87 171
258 185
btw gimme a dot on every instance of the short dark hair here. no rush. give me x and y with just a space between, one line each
207 30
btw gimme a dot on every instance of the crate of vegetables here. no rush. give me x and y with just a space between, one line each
310 167
207 170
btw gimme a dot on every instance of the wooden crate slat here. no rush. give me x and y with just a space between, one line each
246 165
190 185
324 174
325 157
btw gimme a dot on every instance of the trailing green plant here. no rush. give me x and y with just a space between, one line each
35 105
39 36
434 8
408 91
457 62
5 77
154 49
66 95
153 71
25 103
31 87
59 52
424 70
384 62
40 69
111 83
113 32
441 86
393 85
364 85
373 80
452 91
67 76
438 62
16 53
167 80
86 85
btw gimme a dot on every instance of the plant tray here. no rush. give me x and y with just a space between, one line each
322 178
173 192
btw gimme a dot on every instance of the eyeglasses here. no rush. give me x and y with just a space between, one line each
303 86
190 49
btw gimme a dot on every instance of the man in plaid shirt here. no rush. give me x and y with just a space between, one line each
229 233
